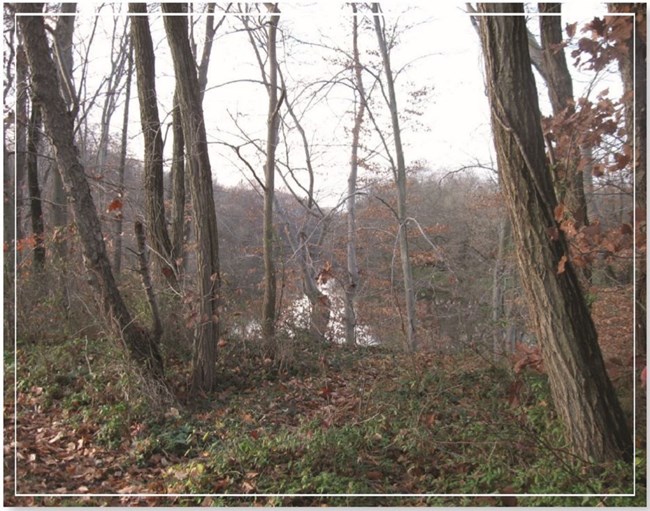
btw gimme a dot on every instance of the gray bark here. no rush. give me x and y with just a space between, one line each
59 127
273 123
400 180
119 221
352 284
209 279
145 64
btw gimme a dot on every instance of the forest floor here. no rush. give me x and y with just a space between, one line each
334 426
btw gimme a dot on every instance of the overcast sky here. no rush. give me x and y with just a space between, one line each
438 41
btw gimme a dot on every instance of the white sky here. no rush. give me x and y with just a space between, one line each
453 131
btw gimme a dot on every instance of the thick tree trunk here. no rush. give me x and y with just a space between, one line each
35 204
583 394
273 122
153 143
59 127
209 280
400 178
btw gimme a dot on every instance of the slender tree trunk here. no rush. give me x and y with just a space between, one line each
35 204
400 178
119 221
210 30
560 89
22 122
587 156
63 37
153 143
178 184
498 306
320 310
634 74
118 56
352 284
582 392
273 122
9 273
209 280
142 346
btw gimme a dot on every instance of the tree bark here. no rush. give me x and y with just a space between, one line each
569 178
273 123
498 308
352 284
119 221
35 204
145 63
633 69
400 179
209 280
63 40
22 121
178 184
59 127
582 392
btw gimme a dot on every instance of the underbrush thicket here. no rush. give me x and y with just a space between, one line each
328 421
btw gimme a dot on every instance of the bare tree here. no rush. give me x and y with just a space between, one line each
273 122
569 178
352 284
22 121
119 221
63 44
141 345
35 204
270 81
633 68
400 181
582 392
145 63
209 279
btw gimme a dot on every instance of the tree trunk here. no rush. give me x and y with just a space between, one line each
352 284
63 37
209 280
59 127
119 221
498 307
320 310
153 143
569 179
22 121
35 204
273 122
583 394
634 74
178 184
400 179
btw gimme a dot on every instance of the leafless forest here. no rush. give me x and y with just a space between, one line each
284 254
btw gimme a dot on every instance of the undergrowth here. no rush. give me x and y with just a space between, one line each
338 426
